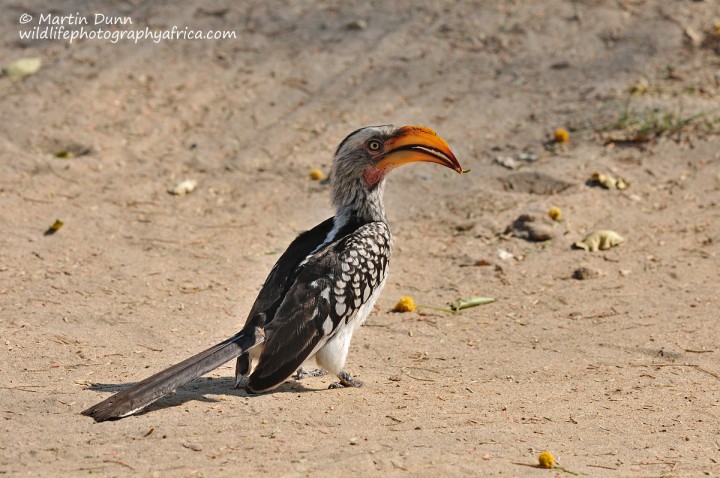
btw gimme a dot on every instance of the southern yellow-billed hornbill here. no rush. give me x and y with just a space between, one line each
321 289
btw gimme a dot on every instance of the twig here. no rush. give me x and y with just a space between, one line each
555 467
692 365
441 309
561 468
44 201
55 173
22 388
398 466
118 462
419 378
602 315
669 463
193 290
151 348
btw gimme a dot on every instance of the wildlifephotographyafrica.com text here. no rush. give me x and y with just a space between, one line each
100 26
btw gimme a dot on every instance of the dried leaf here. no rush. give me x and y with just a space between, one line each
23 67
54 228
609 182
192 446
470 302
600 240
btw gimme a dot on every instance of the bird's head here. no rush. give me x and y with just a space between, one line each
364 158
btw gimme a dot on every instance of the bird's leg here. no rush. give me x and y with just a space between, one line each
303 373
242 370
345 381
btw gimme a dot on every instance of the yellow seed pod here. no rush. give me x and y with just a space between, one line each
555 213
546 460
561 135
405 304
317 174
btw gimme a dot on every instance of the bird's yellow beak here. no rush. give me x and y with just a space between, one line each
415 143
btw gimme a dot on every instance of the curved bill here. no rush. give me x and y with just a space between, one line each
414 143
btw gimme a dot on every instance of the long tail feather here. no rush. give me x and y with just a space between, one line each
142 394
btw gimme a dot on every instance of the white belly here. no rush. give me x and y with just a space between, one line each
332 355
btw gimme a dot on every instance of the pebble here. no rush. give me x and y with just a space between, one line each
585 273
527 226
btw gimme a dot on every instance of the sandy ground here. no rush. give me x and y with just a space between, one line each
617 375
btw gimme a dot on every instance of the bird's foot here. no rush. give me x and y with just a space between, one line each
345 381
241 381
302 373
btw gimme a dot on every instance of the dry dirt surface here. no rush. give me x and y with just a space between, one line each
613 368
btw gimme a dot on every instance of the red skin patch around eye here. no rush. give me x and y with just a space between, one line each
373 176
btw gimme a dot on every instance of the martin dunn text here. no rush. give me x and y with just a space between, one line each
77 19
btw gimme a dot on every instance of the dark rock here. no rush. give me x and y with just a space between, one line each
526 226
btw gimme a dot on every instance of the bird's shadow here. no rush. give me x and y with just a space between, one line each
198 389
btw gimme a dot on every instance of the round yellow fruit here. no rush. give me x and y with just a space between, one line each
405 304
546 460
561 135
317 174
555 213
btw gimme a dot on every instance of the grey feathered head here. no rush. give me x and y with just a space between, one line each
364 158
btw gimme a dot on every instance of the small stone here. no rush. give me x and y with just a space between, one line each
505 255
696 38
527 157
354 441
585 273
183 188
356 25
507 162
527 227
640 87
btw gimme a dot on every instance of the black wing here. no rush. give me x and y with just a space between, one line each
328 291
285 271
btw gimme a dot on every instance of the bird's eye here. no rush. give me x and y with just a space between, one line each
374 145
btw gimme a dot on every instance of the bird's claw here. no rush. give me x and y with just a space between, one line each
302 373
345 381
